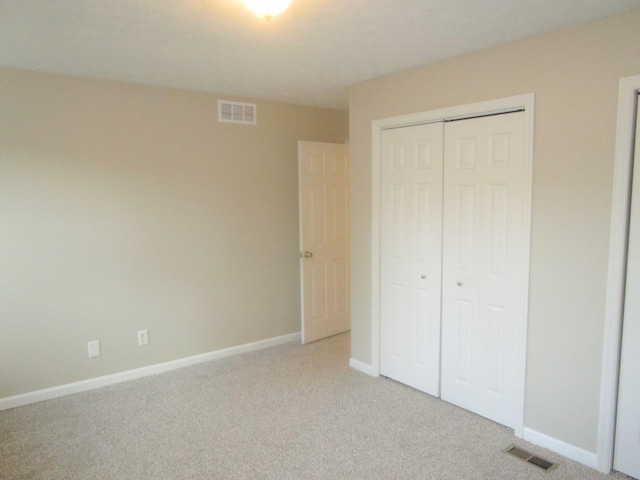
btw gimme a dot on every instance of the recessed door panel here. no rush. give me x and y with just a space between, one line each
318 210
319 299
498 155
423 227
398 320
339 210
494 349
398 160
397 222
465 211
498 216
421 323
463 323
315 164
465 153
340 286
340 163
423 154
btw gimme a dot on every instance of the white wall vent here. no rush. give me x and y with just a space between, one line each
237 112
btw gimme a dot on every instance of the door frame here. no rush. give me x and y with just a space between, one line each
525 101
619 236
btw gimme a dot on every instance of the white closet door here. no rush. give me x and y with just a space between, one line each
627 449
483 261
411 242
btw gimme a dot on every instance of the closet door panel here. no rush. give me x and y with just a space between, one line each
482 263
411 252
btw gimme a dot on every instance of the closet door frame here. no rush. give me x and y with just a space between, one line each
620 208
525 102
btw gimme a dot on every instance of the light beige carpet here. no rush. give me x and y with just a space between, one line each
289 412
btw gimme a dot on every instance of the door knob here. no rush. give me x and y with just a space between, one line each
459 284
423 276
306 254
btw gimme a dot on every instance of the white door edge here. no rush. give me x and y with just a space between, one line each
525 101
616 271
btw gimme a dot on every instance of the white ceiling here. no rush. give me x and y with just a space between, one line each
308 55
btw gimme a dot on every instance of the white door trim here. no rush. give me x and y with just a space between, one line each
492 106
617 267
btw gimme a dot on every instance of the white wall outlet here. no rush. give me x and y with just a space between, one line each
143 337
94 348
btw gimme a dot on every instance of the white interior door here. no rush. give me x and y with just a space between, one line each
411 243
323 170
483 261
627 442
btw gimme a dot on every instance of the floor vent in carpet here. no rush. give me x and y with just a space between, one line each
531 458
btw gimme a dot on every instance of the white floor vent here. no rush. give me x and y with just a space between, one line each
237 112
529 457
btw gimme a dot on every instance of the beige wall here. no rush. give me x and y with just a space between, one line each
126 207
574 74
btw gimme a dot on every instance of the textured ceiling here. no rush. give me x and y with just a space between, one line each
308 55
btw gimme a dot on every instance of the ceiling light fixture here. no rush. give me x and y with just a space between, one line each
267 8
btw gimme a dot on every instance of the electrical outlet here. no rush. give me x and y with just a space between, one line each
94 348
143 337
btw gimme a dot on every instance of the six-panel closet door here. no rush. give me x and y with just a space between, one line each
484 248
411 245
452 246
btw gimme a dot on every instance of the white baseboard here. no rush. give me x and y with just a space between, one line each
590 459
99 382
362 367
